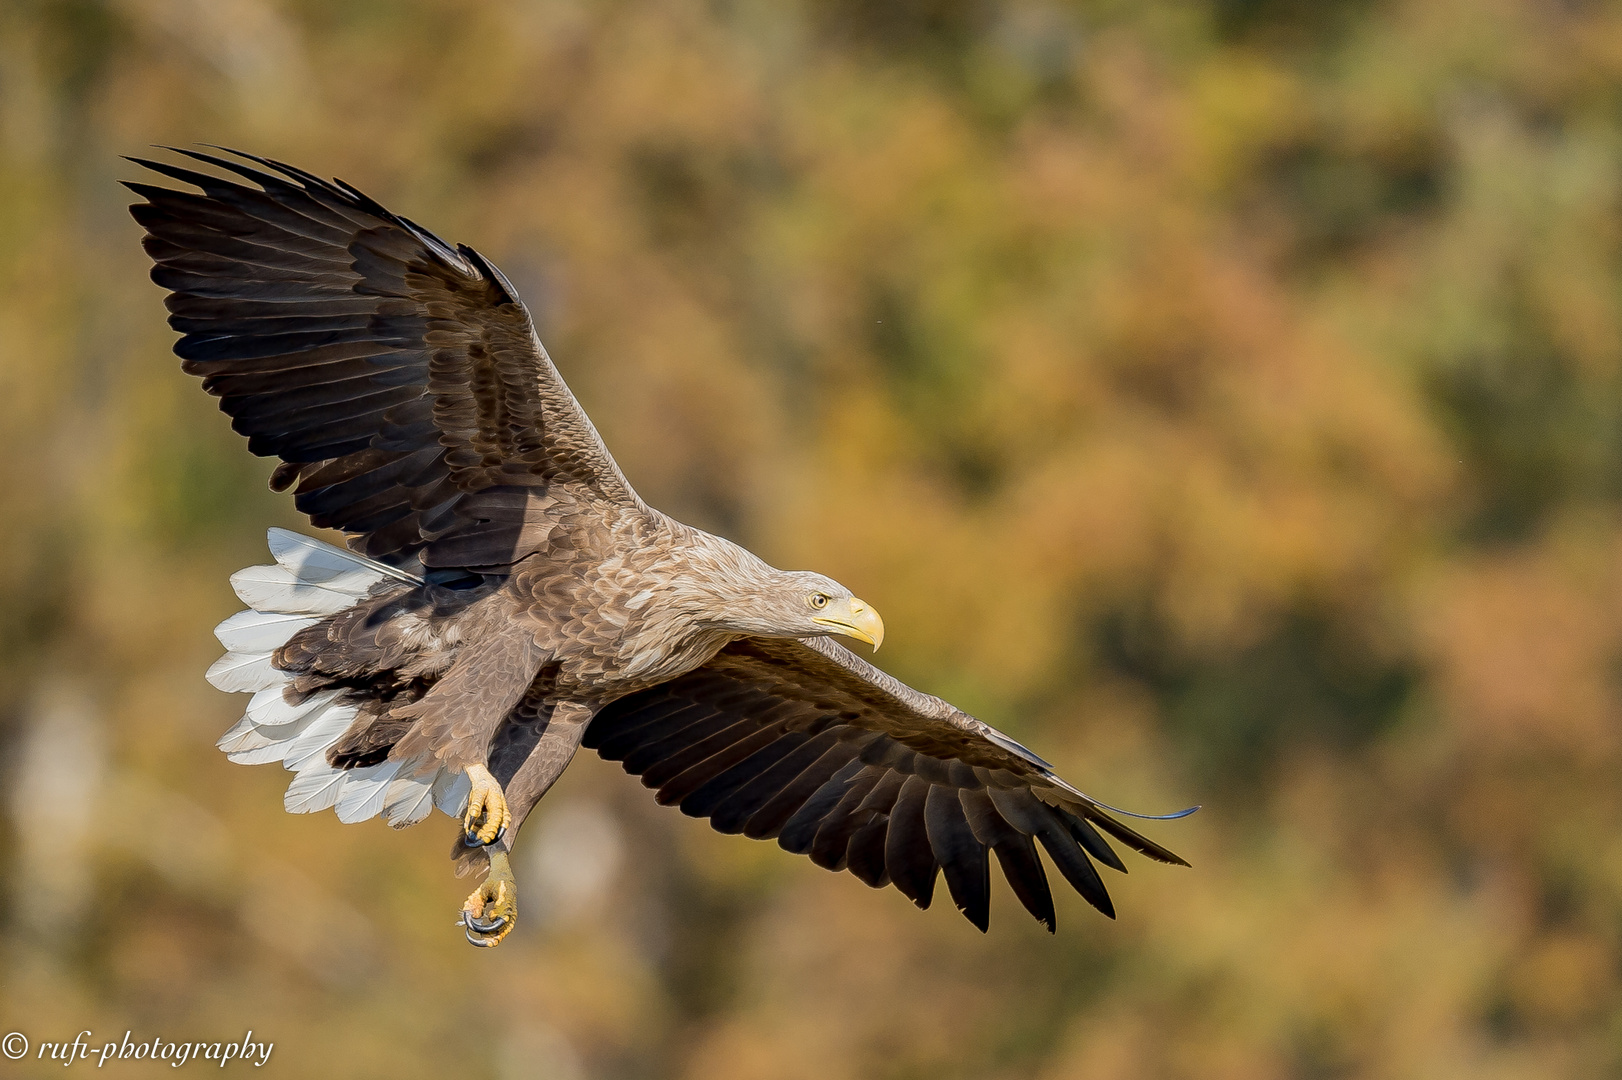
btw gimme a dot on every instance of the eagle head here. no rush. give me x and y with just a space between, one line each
788 603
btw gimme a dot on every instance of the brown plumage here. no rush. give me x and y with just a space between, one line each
512 598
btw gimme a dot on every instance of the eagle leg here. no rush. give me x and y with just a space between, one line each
492 910
487 817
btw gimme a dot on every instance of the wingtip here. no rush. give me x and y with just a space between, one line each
977 910
1177 816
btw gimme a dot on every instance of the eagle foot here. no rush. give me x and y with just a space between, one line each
487 817
490 913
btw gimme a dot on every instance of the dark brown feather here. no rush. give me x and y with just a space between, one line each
706 800
799 832
867 828
908 855
831 844
962 858
734 810
770 819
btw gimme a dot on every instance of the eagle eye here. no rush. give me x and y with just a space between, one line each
818 600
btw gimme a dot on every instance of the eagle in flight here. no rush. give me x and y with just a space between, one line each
508 597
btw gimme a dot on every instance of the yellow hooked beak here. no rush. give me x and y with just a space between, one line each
854 619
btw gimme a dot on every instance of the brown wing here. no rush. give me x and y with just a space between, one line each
804 741
399 379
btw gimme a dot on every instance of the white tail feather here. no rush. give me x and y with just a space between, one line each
288 743
239 672
271 752
311 560
323 731
364 790
243 737
408 800
269 708
312 579
260 631
314 789
276 588
451 792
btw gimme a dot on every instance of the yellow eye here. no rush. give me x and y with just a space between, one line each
818 600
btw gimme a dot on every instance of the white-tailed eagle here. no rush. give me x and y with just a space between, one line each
509 598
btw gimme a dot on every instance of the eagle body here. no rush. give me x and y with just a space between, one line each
507 598
584 623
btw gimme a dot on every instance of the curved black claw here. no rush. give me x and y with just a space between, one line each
476 930
473 922
472 838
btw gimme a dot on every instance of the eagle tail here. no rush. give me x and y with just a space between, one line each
310 581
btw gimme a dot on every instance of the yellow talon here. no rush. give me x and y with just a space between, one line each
491 911
485 802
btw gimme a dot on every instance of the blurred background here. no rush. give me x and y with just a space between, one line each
1223 397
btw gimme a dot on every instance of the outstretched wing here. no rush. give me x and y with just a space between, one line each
804 741
398 379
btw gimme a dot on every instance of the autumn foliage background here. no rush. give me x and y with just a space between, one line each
1224 398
